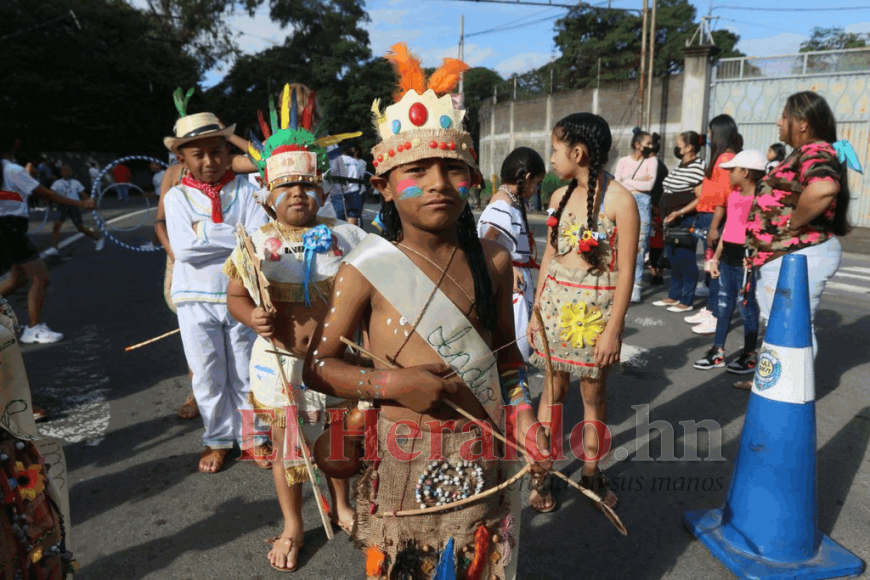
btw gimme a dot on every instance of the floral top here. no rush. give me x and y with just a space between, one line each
777 196
571 236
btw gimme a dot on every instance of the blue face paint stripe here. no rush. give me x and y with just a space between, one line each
409 192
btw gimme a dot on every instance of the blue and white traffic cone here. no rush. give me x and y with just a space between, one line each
768 527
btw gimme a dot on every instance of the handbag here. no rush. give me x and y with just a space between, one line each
680 237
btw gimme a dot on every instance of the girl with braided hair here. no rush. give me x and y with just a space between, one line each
504 220
582 297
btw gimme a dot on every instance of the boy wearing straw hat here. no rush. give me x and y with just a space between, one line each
202 213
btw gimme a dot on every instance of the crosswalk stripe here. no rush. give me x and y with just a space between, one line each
859 269
847 288
847 275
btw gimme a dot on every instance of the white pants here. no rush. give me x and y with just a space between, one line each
218 351
823 261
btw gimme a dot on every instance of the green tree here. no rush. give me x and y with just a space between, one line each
835 38
199 28
103 87
587 33
328 51
478 84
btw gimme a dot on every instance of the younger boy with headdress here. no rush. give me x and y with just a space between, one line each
435 299
298 253
202 213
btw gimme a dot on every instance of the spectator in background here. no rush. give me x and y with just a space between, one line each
775 155
17 252
802 206
682 188
71 189
345 194
157 178
121 174
725 142
637 173
93 173
46 173
657 239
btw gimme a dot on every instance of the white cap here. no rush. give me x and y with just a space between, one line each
746 159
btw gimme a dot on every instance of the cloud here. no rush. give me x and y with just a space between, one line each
382 40
387 16
474 54
259 32
783 43
522 63
859 28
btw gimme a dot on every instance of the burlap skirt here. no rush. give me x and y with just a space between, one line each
415 542
575 305
269 399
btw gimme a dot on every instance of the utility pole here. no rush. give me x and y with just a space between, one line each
462 53
641 74
652 54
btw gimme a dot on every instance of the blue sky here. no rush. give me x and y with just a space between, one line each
431 28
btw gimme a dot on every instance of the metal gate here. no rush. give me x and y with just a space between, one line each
753 90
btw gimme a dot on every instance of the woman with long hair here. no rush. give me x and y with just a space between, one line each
637 173
802 206
681 189
504 220
587 275
725 142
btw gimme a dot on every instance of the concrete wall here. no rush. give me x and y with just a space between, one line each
529 122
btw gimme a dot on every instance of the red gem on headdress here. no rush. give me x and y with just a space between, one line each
433 144
380 158
418 114
443 145
391 153
452 146
400 147
407 145
473 153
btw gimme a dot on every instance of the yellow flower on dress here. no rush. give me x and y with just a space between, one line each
573 234
580 327
30 480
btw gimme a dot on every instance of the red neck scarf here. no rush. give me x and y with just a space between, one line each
213 191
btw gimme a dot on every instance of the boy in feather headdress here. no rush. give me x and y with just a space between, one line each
436 299
202 213
299 254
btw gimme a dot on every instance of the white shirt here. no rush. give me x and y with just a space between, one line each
93 172
344 166
69 188
198 274
157 180
17 185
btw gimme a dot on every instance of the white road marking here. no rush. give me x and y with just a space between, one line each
858 269
648 321
633 355
847 288
848 275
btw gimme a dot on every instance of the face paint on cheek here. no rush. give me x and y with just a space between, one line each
408 188
313 194
463 190
278 201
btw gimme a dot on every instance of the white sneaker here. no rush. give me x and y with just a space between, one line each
708 326
679 308
702 291
699 317
39 333
100 244
50 252
663 303
635 294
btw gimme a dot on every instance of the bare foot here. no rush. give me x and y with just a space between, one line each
212 460
284 554
344 518
189 409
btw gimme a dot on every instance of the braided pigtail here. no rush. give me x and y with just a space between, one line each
483 291
392 222
554 234
593 132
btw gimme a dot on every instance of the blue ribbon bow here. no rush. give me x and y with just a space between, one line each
846 154
317 240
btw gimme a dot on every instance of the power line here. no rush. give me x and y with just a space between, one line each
515 26
500 26
761 9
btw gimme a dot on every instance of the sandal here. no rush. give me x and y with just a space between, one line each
209 453
544 490
348 528
189 409
599 484
291 543
743 385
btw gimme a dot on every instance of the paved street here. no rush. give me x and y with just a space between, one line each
141 510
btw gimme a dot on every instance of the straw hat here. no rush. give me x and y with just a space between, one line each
194 127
